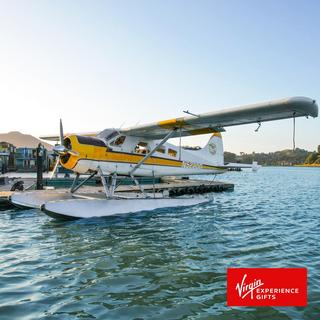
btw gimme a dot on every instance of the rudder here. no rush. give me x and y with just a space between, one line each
214 149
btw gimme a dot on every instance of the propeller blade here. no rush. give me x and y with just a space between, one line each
54 168
59 149
61 133
73 153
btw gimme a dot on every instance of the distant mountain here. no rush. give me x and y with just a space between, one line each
21 140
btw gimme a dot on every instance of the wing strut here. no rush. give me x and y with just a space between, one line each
147 156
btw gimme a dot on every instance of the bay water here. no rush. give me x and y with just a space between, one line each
165 264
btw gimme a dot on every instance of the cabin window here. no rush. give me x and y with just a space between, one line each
161 150
119 141
142 148
172 153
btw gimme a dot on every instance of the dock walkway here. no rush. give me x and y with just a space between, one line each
174 187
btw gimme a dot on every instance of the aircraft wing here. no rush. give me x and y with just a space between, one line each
217 120
57 138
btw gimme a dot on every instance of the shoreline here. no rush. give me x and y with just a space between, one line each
307 165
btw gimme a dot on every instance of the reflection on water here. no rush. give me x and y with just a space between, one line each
168 264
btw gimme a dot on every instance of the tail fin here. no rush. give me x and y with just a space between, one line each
213 150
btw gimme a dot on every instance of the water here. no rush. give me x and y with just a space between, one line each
169 264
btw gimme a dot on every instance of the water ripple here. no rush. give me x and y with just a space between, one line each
169 264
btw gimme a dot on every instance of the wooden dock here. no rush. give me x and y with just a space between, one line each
173 187
179 187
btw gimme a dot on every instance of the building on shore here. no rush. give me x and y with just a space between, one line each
23 159
26 159
7 157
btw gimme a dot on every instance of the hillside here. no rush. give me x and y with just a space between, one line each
20 140
313 158
279 158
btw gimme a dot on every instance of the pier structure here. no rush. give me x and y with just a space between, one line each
171 187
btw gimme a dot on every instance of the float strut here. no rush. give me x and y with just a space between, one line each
104 183
113 186
138 185
75 188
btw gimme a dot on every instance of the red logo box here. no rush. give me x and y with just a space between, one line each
267 287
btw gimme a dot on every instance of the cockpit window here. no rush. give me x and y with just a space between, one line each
91 141
111 135
119 141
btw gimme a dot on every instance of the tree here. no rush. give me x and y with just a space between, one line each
311 158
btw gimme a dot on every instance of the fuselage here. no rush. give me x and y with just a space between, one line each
122 153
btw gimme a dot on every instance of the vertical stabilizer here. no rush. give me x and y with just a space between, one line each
213 150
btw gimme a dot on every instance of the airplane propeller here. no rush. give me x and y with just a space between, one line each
61 150
54 169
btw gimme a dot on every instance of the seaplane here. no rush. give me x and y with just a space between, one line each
144 151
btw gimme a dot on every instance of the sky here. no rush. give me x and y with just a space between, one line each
100 64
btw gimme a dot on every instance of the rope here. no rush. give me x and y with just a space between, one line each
294 132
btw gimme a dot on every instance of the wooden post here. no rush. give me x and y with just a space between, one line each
40 153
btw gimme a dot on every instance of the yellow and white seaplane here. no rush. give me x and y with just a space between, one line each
144 151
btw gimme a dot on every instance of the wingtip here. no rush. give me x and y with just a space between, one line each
309 105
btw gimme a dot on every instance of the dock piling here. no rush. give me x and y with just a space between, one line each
40 151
